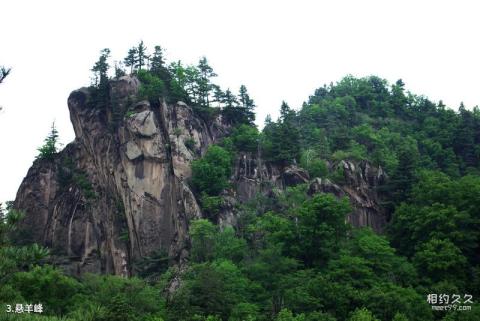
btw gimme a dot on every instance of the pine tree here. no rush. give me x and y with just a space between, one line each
218 94
282 138
229 99
465 138
131 59
204 85
246 104
119 70
100 69
192 75
157 63
142 56
49 148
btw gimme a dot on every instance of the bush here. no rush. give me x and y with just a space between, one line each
211 205
245 138
48 286
210 174
315 166
152 87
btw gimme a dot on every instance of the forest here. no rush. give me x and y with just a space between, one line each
293 256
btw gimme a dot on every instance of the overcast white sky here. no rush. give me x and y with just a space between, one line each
278 49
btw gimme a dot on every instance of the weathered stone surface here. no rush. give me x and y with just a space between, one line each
137 199
138 202
133 151
252 175
294 175
360 185
142 123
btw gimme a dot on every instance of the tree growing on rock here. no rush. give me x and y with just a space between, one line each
49 148
131 59
204 84
100 69
142 57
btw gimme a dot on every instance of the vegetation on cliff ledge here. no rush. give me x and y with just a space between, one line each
292 258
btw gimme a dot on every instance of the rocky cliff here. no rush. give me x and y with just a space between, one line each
120 191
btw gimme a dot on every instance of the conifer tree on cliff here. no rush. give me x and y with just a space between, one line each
282 138
131 59
100 69
204 85
157 63
100 95
247 104
142 56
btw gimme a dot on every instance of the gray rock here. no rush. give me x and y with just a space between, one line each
135 204
133 151
143 123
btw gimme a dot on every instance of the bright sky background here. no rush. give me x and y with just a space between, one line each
278 49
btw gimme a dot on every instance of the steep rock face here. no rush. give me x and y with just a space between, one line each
118 192
359 182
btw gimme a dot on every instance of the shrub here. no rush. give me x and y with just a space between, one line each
210 174
152 87
315 166
190 143
245 138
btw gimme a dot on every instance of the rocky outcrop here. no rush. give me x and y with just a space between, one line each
360 183
357 181
118 192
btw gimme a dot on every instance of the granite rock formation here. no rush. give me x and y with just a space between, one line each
120 192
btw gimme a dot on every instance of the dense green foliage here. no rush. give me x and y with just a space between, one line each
171 82
292 256
210 174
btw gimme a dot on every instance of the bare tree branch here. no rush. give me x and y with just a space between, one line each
4 73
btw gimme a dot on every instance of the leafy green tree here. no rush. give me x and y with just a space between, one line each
287 315
362 315
320 228
311 161
47 285
440 260
244 311
214 289
203 234
177 86
210 174
245 138
152 88
15 258
49 148
385 300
